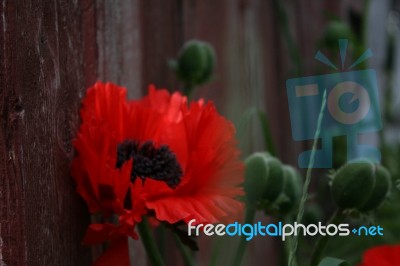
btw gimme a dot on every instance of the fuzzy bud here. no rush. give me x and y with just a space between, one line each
291 191
263 177
380 191
195 63
360 185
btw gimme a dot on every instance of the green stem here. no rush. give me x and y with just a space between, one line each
186 254
188 91
215 251
336 218
149 243
250 213
160 232
307 182
266 130
286 244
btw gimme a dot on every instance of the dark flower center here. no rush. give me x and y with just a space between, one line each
150 162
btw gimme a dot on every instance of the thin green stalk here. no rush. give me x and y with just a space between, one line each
286 244
250 213
215 251
161 232
336 218
307 182
188 91
266 130
149 244
186 254
367 4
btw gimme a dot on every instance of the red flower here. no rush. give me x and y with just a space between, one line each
382 255
155 154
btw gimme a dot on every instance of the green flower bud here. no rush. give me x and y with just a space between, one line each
360 185
291 190
195 63
336 30
275 179
255 177
381 189
263 178
352 184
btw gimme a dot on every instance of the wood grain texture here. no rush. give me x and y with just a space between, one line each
42 80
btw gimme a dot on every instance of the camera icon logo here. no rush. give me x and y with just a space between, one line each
358 93
352 109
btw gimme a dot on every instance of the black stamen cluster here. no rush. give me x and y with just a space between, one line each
150 162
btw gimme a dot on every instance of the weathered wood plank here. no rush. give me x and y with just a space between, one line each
42 80
161 37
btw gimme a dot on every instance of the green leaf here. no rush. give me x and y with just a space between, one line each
329 261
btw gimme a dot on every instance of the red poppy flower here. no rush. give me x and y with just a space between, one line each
155 154
385 255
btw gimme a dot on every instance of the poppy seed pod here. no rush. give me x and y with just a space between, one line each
360 185
195 63
263 177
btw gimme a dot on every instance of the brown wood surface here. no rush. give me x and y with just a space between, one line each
51 51
42 79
